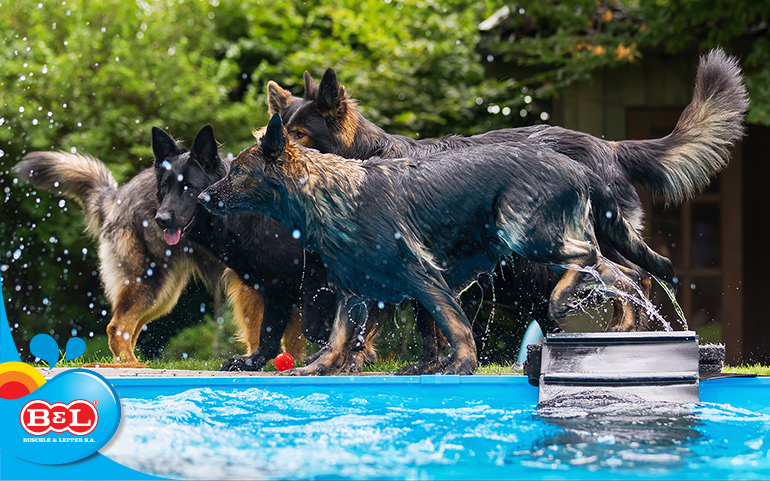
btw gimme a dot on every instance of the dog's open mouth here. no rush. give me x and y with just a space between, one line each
173 236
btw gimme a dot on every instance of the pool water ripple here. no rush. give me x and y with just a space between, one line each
384 433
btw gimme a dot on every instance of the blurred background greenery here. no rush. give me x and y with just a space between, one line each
94 76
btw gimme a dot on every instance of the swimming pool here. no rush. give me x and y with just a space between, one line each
432 427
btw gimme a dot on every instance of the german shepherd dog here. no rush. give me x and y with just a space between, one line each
424 228
260 250
143 276
676 166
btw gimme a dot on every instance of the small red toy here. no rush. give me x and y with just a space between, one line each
284 361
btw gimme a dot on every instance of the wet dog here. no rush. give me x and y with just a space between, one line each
423 228
269 263
677 166
143 276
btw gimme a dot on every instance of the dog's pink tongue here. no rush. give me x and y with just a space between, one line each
172 236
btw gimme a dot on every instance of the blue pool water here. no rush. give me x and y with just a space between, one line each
433 427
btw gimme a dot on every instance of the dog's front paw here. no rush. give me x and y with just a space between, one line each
327 363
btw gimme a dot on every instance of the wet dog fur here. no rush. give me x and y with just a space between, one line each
424 228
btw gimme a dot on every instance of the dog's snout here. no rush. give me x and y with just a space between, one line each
163 219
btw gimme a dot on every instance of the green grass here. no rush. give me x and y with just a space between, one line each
384 365
757 369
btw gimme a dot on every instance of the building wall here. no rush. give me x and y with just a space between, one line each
598 106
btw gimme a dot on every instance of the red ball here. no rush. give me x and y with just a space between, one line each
284 361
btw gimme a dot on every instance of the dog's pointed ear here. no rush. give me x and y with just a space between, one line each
311 88
330 92
204 149
163 145
277 98
274 140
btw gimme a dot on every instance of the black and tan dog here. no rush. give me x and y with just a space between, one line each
423 228
258 249
676 166
143 276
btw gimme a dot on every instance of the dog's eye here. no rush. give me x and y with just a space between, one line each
299 135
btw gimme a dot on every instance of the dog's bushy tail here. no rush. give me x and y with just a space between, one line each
81 178
683 163
618 231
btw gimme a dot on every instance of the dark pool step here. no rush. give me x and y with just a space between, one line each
653 366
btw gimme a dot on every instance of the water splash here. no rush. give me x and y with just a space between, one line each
637 298
44 347
76 347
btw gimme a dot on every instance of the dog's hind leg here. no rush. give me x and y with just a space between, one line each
136 296
248 309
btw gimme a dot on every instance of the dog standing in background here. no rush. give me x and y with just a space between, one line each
143 275
424 228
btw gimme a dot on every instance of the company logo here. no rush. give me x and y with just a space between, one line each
79 417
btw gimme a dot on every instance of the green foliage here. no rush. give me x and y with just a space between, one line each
207 340
553 44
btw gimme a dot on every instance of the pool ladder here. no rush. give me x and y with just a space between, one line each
648 366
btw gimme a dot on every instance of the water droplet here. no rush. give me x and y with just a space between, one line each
296 234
